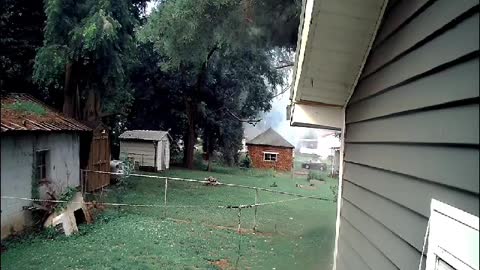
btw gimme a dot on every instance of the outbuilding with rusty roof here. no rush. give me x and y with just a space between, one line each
40 156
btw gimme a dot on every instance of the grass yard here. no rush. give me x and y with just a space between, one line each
292 235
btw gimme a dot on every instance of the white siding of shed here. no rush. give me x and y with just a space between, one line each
142 152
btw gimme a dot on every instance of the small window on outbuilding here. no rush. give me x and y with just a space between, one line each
41 164
268 156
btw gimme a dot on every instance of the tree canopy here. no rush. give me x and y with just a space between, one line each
198 68
227 61
89 46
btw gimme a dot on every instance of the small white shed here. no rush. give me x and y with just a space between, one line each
149 149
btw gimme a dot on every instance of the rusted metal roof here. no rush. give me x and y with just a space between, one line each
147 135
14 119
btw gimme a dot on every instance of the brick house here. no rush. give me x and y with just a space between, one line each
270 150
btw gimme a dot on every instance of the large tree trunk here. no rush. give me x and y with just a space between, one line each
70 93
209 151
190 136
191 108
92 106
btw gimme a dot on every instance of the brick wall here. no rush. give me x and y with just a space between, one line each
284 160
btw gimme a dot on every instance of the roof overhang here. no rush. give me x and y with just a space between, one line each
335 37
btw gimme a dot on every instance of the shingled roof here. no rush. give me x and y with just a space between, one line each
22 112
270 138
146 135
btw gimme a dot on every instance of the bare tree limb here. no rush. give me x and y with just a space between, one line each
290 64
282 92
250 121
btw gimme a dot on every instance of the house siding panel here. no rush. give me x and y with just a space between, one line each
411 132
459 124
434 90
351 257
440 50
373 256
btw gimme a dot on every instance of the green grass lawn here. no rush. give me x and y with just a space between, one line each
292 235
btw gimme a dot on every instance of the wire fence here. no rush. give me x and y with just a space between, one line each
215 205
170 192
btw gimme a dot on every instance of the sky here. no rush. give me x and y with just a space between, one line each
277 119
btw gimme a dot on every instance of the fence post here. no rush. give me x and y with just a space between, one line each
165 197
239 219
255 211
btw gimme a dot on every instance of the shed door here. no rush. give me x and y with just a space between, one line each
165 154
453 241
99 160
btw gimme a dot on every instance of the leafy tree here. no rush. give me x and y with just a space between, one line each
158 96
89 46
21 26
195 37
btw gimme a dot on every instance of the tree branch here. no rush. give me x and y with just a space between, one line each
250 121
281 92
290 64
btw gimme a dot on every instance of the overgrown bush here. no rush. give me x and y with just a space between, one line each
128 167
315 175
334 190
246 162
66 196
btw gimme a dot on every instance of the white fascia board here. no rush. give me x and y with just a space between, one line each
302 45
315 116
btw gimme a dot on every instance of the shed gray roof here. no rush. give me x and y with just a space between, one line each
147 135
271 138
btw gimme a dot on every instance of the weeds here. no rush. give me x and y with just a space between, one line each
66 196
27 107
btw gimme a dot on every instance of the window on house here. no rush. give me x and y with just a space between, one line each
41 164
267 156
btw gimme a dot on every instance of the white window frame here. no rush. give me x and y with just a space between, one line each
453 238
270 153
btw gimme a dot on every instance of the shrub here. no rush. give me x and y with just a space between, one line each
315 175
67 197
246 162
334 190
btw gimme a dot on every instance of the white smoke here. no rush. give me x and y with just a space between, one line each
277 119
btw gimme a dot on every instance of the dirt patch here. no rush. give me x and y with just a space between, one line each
317 182
222 264
230 228
242 230
307 187
180 221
